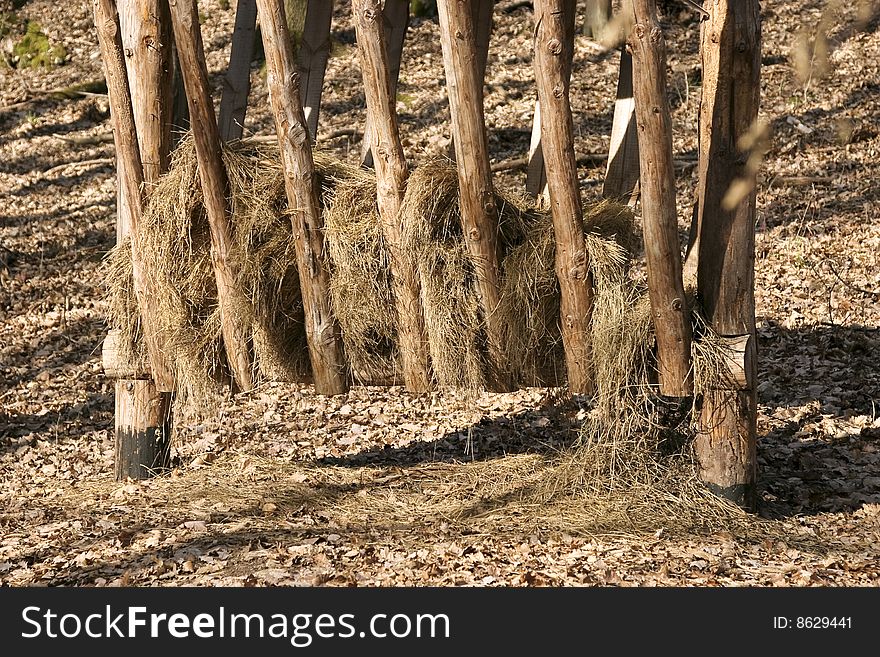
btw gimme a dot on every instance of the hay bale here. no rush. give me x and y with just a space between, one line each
433 239
530 295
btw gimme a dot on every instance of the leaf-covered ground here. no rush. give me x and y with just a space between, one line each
249 501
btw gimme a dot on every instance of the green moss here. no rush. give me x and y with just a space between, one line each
406 99
34 50
224 5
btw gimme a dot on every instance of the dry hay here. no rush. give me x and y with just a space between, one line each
174 239
529 294
360 279
632 470
628 472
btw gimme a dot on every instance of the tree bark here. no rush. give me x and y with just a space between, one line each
237 81
145 29
481 14
391 174
481 10
396 18
725 245
146 41
179 108
212 175
536 176
554 48
479 214
322 330
141 430
671 315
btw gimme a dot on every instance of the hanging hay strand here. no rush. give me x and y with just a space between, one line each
360 278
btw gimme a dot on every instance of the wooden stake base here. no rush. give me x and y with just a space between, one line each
143 429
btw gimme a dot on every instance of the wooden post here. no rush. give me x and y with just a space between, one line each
554 49
125 138
479 214
731 52
596 17
536 176
391 173
179 109
672 323
212 174
237 81
322 330
142 450
143 430
314 51
481 14
622 172
481 10
146 36
396 15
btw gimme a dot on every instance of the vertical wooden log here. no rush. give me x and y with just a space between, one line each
481 10
396 15
536 176
622 172
142 448
212 175
179 108
145 27
322 330
479 214
141 432
481 15
391 174
672 323
554 46
314 51
731 51
596 17
146 42
125 138
237 81
146 37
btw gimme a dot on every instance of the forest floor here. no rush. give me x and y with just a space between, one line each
248 501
